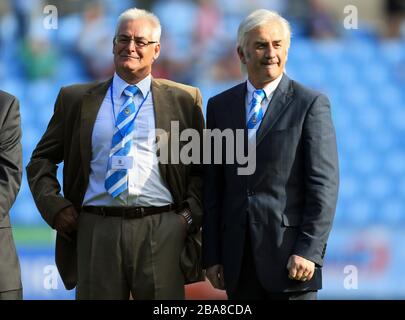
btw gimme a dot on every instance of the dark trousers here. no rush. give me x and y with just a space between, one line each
249 287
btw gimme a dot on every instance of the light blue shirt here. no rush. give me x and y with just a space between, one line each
268 90
145 185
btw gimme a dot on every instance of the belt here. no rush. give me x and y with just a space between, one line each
128 212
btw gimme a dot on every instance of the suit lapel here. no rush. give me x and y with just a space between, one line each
163 105
238 112
237 105
281 99
91 104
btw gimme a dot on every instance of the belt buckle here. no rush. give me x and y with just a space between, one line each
102 211
138 212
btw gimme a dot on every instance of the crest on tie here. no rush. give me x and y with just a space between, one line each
254 119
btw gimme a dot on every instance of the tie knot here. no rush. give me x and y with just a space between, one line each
259 95
131 91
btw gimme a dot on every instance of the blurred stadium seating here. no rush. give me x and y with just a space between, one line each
364 78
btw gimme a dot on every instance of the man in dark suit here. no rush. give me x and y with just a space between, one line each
10 181
265 234
137 218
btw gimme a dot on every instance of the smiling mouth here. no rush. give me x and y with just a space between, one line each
130 57
267 64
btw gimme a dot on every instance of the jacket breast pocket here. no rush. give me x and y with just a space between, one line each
281 130
278 151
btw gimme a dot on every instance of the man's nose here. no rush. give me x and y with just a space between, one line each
131 46
270 52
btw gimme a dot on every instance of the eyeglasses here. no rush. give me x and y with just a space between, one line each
139 42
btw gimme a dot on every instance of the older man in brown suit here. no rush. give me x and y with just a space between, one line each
137 218
10 181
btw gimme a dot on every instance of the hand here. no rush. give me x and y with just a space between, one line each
300 268
185 225
183 221
215 275
186 220
65 222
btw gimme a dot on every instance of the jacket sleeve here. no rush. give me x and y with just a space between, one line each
321 181
10 155
194 187
43 166
212 200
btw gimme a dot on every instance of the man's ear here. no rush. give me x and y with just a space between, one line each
113 48
157 52
241 55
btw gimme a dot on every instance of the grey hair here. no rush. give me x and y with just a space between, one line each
258 18
134 14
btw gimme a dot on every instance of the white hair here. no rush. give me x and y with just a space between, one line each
134 14
258 18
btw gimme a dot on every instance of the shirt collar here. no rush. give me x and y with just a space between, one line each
268 89
120 85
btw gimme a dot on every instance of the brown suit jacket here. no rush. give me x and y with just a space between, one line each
68 139
10 181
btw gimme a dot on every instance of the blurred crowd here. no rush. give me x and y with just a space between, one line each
198 38
361 70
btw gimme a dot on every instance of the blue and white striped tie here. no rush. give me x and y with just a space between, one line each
116 181
255 111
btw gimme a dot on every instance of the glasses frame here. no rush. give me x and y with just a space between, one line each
139 42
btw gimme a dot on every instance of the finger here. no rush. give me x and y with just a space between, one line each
310 271
63 225
306 273
75 214
71 223
300 273
65 228
62 229
293 271
70 219
290 268
65 236
70 211
303 278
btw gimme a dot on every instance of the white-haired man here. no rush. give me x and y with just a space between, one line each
10 181
265 234
137 218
